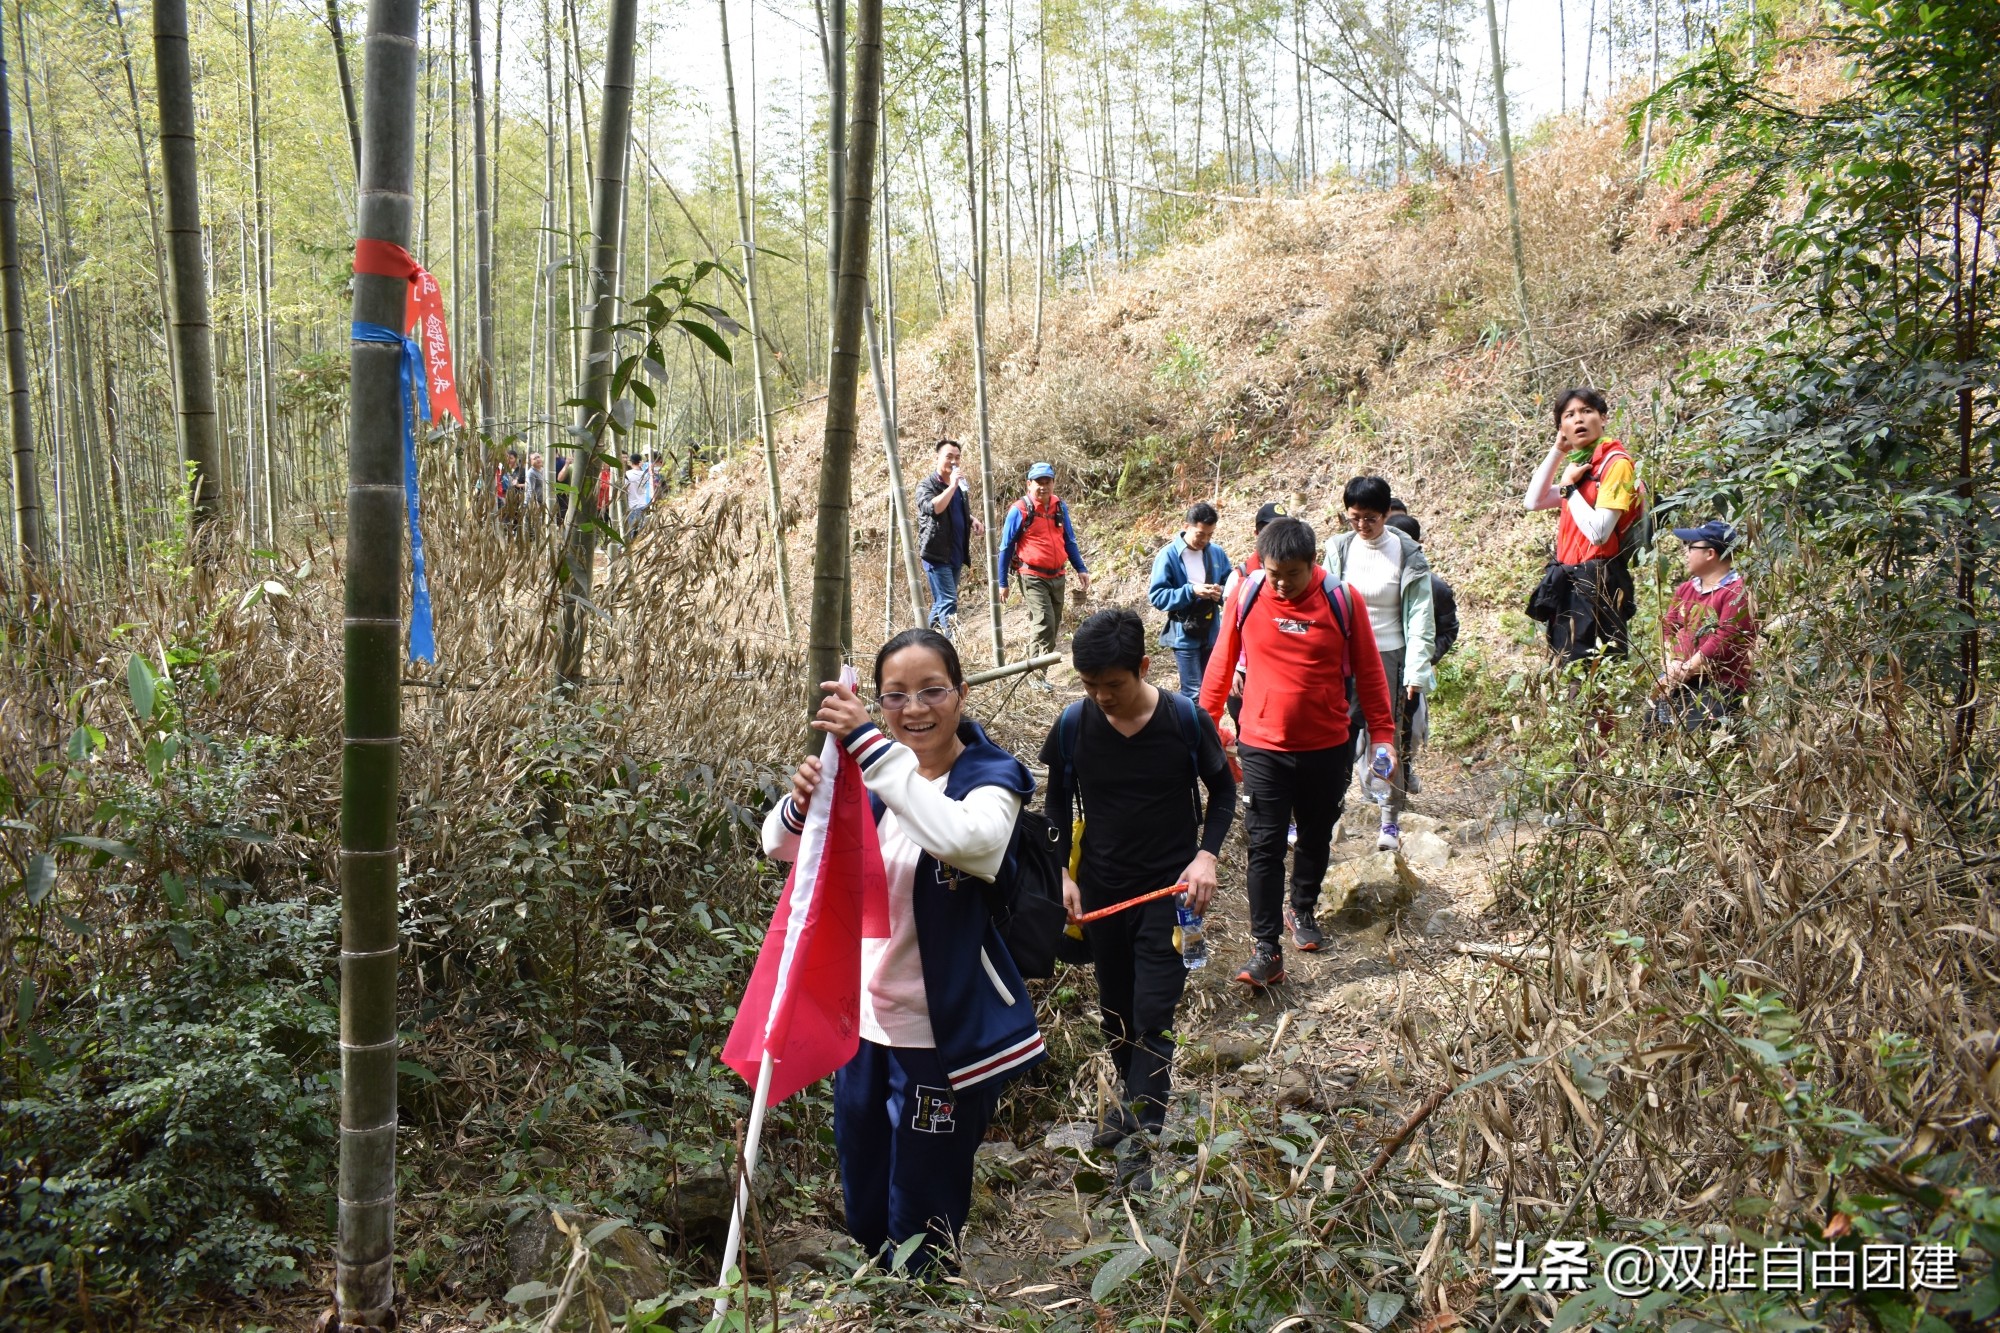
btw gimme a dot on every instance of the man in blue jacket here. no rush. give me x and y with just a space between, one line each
1188 575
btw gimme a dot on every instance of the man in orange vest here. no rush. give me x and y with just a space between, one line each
1039 541
1586 593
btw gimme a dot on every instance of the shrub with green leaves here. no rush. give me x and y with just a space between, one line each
175 1133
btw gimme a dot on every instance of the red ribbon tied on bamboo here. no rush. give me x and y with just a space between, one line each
423 313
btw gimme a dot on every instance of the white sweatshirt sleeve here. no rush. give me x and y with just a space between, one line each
1591 521
969 835
781 831
1542 489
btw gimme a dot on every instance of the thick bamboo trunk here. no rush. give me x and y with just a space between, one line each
614 127
774 499
193 341
371 748
13 307
832 591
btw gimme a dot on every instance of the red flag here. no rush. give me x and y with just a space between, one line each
803 1003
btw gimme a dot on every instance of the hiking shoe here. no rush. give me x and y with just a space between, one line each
1305 931
1042 683
1114 1128
1390 839
1412 785
1135 1163
1291 835
1265 968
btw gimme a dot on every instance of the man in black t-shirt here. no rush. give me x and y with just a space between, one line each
1135 757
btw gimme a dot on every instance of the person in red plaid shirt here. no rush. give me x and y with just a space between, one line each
1710 632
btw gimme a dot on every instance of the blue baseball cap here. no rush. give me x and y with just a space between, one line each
1715 532
1041 470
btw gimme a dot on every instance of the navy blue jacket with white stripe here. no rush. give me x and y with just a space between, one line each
982 1017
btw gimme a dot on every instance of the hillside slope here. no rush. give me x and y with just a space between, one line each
1296 343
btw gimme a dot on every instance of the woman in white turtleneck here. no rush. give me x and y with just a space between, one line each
1390 576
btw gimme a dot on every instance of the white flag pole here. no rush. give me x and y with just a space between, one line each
802 890
733 1247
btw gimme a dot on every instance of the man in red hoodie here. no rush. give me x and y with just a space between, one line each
1302 639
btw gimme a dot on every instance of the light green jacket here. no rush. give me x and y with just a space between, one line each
1419 617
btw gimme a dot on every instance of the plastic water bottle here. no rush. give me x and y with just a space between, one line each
1193 937
1384 764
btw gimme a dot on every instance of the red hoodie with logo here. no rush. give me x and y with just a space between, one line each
1295 674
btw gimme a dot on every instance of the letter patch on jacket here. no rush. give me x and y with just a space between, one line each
933 1111
1291 626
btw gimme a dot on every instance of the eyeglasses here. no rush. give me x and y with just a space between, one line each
895 701
1704 546
1363 520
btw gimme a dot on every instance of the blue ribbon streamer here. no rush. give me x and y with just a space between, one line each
415 400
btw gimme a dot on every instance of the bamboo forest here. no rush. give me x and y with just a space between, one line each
577 565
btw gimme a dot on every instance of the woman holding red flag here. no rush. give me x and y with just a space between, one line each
945 1018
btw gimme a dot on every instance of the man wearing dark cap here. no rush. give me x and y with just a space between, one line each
1709 631
1039 541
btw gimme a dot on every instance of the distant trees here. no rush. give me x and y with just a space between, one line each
1080 135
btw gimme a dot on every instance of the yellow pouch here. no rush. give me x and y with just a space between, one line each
1075 861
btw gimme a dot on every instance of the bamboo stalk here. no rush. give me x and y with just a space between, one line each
13 318
193 341
371 746
832 591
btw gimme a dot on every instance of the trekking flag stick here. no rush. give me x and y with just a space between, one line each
1116 908
799 1018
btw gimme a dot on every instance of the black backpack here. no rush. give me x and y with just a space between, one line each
1026 899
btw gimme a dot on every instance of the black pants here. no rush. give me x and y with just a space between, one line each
1140 978
1696 707
1303 787
1601 602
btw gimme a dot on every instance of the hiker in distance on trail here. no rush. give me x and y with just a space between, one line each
1303 636
1393 580
1444 610
946 526
1586 594
1039 542
945 1018
1709 632
1188 575
1127 765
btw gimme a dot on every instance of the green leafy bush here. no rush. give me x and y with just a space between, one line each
177 1134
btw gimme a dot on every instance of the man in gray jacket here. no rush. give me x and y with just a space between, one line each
1389 574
